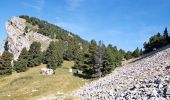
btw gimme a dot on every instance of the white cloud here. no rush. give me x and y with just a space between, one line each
73 4
37 5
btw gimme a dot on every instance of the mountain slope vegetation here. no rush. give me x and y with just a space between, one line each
92 59
73 60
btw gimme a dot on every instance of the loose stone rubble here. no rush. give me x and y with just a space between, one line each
145 79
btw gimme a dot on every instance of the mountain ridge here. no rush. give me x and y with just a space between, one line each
21 33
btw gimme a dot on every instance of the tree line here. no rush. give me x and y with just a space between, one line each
100 60
156 41
50 30
53 57
92 59
95 61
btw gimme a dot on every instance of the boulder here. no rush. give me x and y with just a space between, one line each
46 71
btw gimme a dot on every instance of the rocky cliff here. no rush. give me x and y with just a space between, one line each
145 79
1 48
21 34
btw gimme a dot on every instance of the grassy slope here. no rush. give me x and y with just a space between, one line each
31 84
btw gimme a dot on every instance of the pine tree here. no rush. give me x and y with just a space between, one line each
158 34
122 52
43 57
54 55
89 61
71 50
128 55
108 61
23 54
6 45
34 58
92 62
99 59
79 62
5 63
165 32
165 35
156 41
141 52
117 56
136 53
21 64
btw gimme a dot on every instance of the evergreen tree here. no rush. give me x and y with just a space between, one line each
6 46
21 64
136 53
112 59
71 49
108 61
156 41
5 63
122 52
34 58
89 61
43 57
54 55
99 59
128 55
165 35
51 30
158 34
69 52
141 52
79 62
23 54
116 55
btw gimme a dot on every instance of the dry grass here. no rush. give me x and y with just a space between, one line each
31 84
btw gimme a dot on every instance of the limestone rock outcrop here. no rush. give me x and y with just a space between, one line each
1 48
18 37
145 79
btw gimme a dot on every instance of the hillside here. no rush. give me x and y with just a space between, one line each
48 45
24 30
145 79
32 85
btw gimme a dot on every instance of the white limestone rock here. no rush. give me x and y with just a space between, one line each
145 79
46 71
18 39
1 48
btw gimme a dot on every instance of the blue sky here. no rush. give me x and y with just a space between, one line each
124 23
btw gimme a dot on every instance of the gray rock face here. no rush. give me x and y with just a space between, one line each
1 48
146 79
18 38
